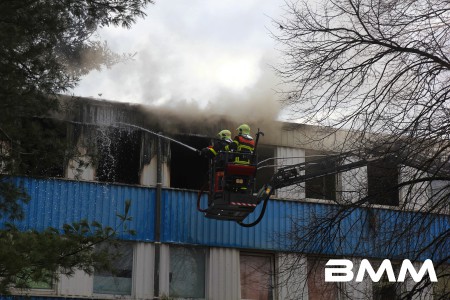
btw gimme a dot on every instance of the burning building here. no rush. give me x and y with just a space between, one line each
119 152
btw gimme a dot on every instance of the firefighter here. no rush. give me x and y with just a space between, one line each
221 144
244 144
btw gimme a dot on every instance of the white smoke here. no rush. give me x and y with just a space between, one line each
194 61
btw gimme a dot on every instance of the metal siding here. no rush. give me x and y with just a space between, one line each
362 232
143 270
55 202
79 284
223 274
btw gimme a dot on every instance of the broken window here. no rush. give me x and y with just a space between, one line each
42 151
256 276
383 183
188 170
321 187
118 155
187 272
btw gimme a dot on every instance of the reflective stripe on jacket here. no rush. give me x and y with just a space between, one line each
246 145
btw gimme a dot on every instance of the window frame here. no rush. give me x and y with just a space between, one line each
205 271
115 295
271 257
329 191
373 182
312 262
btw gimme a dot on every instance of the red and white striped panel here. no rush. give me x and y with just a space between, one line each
243 204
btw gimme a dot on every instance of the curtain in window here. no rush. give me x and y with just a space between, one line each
318 289
256 277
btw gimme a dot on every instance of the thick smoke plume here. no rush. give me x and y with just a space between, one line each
256 105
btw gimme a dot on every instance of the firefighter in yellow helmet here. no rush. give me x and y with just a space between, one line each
221 144
244 144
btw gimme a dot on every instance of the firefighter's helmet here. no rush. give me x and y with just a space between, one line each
243 129
224 135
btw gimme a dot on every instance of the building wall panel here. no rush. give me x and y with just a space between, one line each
143 270
362 232
55 202
78 285
223 274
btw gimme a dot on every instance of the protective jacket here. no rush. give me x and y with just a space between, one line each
219 145
245 145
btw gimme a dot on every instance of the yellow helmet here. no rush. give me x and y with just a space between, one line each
224 135
243 129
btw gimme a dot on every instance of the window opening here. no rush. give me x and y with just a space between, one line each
187 169
44 284
323 187
119 280
318 289
440 193
263 175
384 289
383 183
187 272
256 272
44 148
441 289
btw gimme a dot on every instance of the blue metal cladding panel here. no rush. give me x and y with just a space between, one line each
377 233
55 202
361 232
182 223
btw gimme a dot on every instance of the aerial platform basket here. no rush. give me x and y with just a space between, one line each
231 186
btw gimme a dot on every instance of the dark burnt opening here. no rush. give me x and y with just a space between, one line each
42 150
188 170
119 156
383 177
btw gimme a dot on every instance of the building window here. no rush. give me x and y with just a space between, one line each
266 169
41 285
322 187
384 289
43 151
318 289
119 280
29 283
441 289
187 169
187 272
383 183
440 193
256 276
